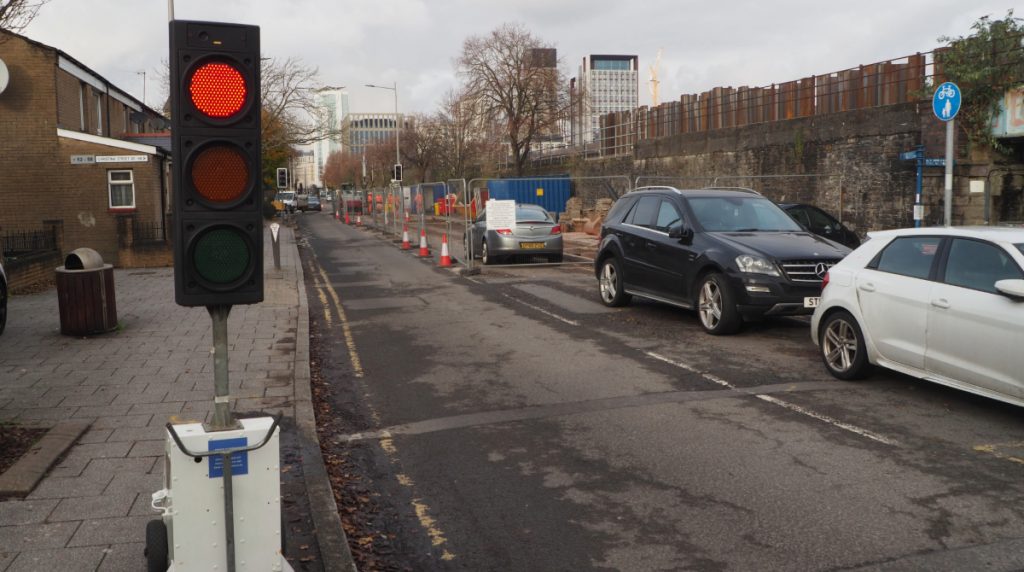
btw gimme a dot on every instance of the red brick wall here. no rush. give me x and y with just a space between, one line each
28 137
88 219
38 181
69 90
29 274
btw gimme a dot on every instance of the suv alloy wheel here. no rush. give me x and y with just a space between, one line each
716 306
610 284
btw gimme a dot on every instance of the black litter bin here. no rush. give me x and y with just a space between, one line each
85 294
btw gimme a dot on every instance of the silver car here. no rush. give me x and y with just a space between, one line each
536 233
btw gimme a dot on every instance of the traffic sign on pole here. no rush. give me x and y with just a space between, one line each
946 101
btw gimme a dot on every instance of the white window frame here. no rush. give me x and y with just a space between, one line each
99 112
111 183
81 106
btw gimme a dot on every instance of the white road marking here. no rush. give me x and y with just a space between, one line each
831 421
543 311
785 404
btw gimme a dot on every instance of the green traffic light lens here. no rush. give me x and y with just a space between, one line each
221 256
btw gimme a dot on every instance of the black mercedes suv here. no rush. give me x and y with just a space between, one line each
730 254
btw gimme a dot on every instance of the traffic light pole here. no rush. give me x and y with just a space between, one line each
222 418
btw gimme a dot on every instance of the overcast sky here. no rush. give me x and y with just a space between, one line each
414 42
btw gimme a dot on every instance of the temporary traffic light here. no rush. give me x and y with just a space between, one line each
215 129
397 172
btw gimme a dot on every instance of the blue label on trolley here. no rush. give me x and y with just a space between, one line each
239 461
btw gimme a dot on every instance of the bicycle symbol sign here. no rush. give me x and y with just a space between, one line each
946 101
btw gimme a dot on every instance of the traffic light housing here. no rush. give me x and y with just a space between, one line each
282 177
397 172
216 174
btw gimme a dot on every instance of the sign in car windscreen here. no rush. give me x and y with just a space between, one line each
501 214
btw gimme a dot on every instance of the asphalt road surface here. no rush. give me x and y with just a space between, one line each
508 421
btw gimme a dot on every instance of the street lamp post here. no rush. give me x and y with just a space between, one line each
398 130
398 157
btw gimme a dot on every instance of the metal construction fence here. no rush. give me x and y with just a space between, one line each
891 82
450 208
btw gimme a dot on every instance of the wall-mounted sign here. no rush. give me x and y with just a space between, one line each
1010 122
83 159
122 158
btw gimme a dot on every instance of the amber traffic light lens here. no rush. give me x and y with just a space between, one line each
220 174
218 90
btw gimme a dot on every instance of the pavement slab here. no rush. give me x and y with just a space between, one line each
63 559
90 511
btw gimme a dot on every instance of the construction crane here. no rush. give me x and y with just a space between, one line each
653 84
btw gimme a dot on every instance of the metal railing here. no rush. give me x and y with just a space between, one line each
20 243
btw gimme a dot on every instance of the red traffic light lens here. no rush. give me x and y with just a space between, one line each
218 90
220 174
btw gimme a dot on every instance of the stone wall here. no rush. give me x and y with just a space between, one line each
847 163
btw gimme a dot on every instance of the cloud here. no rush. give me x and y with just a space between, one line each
414 42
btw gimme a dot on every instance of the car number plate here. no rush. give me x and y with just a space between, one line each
529 245
810 302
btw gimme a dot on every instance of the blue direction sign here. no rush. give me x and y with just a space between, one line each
946 101
911 155
934 162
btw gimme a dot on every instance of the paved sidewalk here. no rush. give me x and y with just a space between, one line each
90 511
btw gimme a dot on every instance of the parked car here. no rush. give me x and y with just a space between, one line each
729 254
536 233
287 200
941 304
3 299
821 223
313 203
352 203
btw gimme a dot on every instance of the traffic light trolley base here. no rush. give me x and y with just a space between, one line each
238 469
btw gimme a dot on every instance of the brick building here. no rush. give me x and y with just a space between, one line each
78 157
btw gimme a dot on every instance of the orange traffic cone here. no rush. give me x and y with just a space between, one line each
347 220
424 251
446 259
359 220
337 216
406 217
405 237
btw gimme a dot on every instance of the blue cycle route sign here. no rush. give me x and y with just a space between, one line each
946 101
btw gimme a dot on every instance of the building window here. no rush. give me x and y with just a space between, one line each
81 106
122 189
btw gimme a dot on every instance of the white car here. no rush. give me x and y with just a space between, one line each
941 304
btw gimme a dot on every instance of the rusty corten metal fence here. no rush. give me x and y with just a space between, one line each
892 82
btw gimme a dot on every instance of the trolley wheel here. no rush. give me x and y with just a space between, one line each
156 546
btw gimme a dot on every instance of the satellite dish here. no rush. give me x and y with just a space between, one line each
5 76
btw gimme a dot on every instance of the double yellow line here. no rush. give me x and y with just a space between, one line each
324 288
331 301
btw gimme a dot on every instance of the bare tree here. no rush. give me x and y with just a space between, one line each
467 138
509 76
16 14
343 168
288 97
